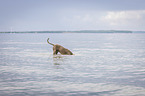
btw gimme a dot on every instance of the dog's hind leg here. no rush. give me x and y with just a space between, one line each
55 52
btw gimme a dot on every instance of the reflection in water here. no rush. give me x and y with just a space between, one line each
58 61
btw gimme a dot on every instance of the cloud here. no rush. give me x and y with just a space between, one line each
103 20
82 20
131 18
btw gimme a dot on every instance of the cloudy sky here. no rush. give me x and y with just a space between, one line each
40 15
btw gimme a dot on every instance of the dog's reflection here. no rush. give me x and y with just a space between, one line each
59 61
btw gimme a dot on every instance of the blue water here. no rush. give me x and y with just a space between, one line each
107 64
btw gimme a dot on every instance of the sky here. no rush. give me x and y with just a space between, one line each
54 15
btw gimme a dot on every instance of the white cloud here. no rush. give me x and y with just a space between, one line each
106 20
88 20
125 19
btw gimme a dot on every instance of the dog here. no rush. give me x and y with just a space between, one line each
58 48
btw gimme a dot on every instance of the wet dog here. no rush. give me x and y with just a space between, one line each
58 48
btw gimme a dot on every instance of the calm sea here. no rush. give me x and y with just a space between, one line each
107 64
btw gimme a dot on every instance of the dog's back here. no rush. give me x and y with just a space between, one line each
58 48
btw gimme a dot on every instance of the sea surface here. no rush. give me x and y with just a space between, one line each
103 64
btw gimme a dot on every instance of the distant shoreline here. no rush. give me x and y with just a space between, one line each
81 31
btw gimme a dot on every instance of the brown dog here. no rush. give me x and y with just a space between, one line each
58 48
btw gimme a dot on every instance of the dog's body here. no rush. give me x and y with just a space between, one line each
58 48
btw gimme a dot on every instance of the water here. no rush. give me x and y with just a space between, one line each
103 65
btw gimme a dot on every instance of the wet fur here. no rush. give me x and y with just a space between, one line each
58 48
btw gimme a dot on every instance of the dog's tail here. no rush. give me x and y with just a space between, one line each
49 42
